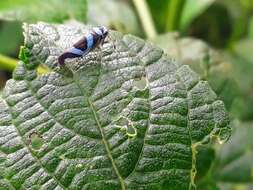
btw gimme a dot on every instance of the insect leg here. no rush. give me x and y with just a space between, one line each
100 54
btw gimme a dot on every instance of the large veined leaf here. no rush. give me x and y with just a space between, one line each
123 117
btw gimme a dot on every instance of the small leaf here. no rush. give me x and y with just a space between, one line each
79 116
46 10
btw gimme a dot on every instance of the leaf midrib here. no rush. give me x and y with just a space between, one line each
123 187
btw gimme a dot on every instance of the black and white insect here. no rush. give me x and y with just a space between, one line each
85 45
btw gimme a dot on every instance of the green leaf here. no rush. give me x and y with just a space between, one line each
174 15
242 61
127 117
235 158
160 13
13 31
167 15
46 10
232 168
239 13
209 186
192 9
250 32
205 158
114 14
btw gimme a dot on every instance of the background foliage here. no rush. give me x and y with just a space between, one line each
214 37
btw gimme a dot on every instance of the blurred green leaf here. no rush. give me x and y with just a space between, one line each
250 32
242 63
46 10
205 157
174 15
240 12
160 13
192 9
243 49
210 64
232 186
208 185
114 14
213 26
167 15
234 161
13 31
233 167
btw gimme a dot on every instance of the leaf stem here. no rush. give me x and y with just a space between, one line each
174 14
7 63
145 18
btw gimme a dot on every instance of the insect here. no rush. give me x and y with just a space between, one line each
89 42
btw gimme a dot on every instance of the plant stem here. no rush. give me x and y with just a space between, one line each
9 64
145 18
174 14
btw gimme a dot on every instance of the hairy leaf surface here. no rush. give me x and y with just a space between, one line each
123 117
